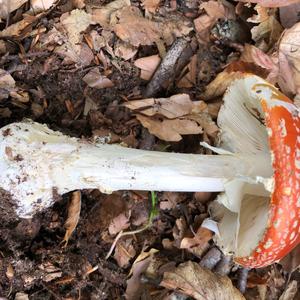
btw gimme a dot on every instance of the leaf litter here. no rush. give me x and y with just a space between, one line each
145 74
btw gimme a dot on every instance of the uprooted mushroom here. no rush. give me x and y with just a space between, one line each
257 170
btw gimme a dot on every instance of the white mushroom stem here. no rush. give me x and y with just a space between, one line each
35 161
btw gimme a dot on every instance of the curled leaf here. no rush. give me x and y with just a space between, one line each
73 215
192 280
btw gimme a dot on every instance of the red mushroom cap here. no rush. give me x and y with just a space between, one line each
283 228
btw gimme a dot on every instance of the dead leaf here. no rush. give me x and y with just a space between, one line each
106 16
170 200
8 6
95 80
124 50
75 23
98 40
219 9
289 61
124 252
201 239
7 84
192 280
291 262
267 32
204 119
10 272
289 15
189 79
38 6
78 3
271 3
21 296
263 13
4 112
17 28
73 215
120 222
214 10
173 107
218 86
133 289
133 28
170 130
148 65
290 291
252 54
150 6
89 105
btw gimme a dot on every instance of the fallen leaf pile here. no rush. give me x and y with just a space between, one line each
170 118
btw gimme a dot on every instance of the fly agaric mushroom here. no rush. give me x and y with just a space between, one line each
258 208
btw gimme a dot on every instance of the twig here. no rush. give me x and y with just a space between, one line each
242 279
211 258
177 57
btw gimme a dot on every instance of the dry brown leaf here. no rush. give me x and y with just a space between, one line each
201 284
170 130
21 296
289 15
173 107
292 261
8 6
120 222
189 79
204 119
201 239
150 6
73 215
10 273
134 285
219 9
38 6
66 38
271 3
290 291
218 86
289 61
254 55
170 200
95 80
98 40
148 65
78 3
7 84
105 16
17 28
75 23
268 30
80 54
124 252
262 15
124 50
133 28
214 10
5 112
